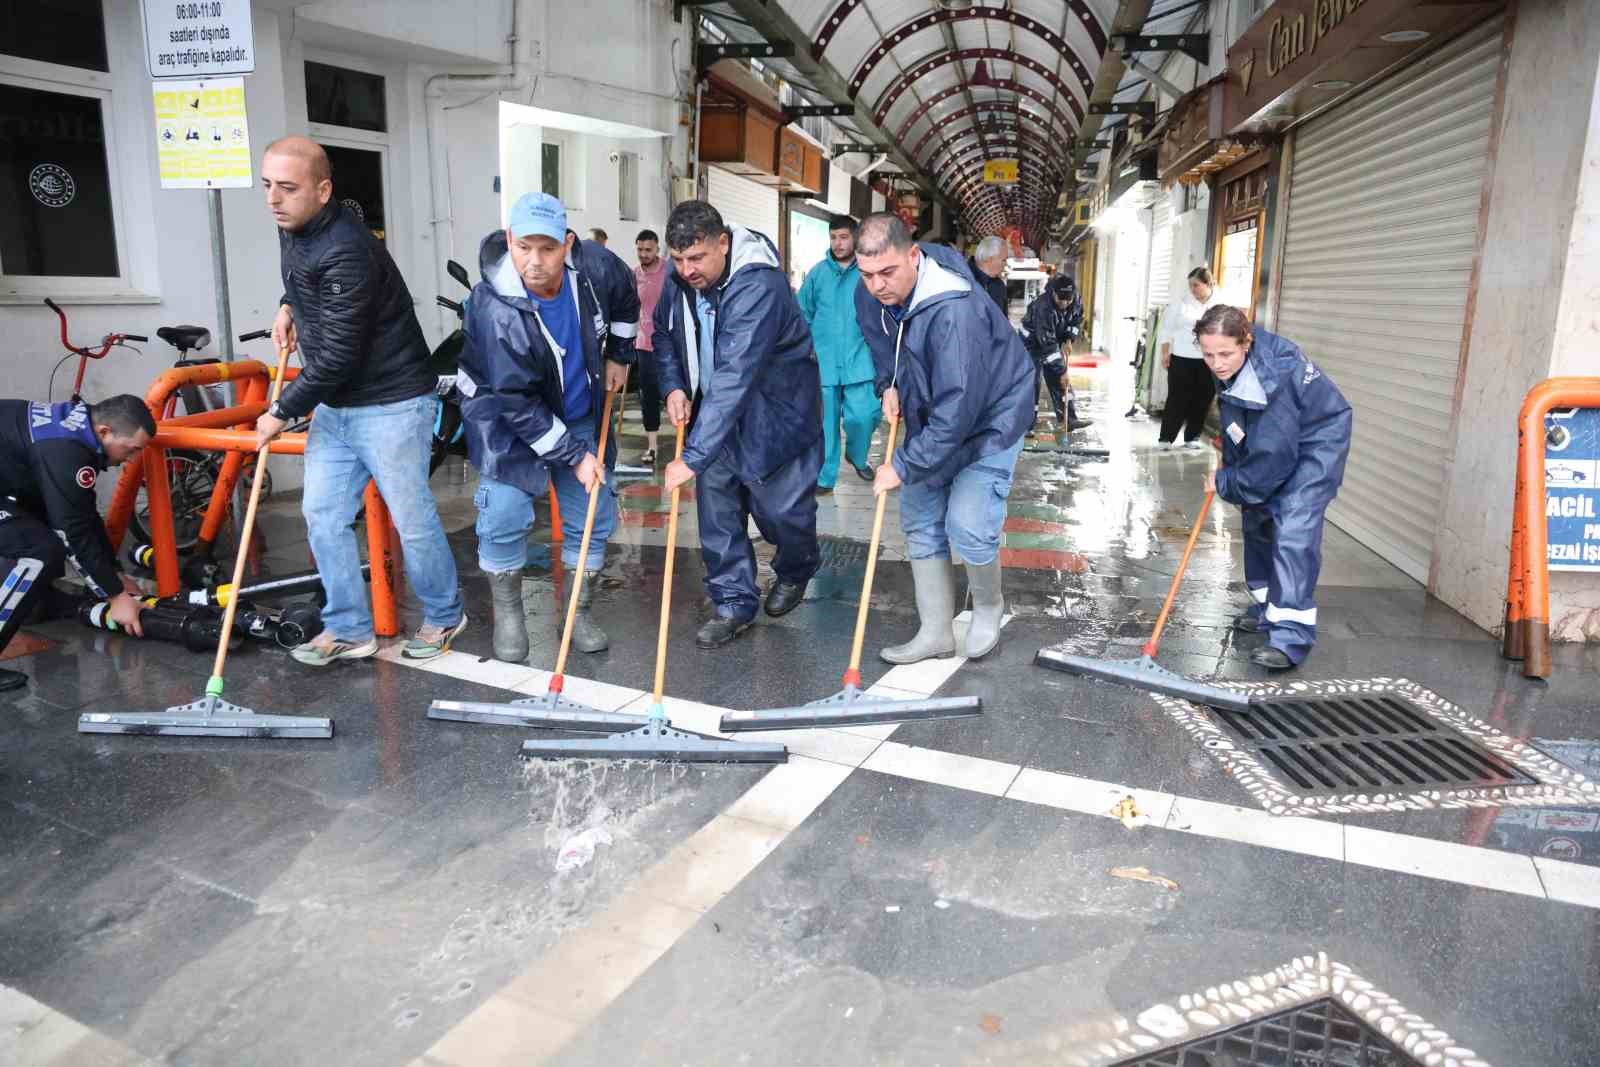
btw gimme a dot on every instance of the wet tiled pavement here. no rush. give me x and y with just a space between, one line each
964 892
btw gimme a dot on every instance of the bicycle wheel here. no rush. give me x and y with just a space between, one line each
191 476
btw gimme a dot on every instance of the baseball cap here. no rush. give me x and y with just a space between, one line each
539 215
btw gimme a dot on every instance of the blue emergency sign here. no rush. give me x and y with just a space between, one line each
1572 488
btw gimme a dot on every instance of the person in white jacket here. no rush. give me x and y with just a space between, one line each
1189 385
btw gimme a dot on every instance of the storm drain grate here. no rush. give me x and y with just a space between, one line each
1322 1033
1362 742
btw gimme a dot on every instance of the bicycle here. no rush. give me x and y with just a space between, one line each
191 475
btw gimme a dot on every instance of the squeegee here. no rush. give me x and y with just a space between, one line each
211 716
655 738
551 711
850 706
1144 672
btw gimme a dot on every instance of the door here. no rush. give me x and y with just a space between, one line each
360 183
1382 229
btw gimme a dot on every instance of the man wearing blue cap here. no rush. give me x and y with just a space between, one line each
540 354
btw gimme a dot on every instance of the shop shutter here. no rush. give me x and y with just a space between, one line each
1161 252
743 202
1382 224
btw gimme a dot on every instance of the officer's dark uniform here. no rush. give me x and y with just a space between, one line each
50 460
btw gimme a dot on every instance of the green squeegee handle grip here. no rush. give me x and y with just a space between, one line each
214 686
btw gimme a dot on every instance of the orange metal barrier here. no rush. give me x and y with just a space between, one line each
1526 636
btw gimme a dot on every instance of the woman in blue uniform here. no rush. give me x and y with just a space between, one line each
1285 439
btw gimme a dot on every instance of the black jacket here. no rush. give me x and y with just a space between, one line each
1045 328
358 331
966 385
764 401
510 379
995 287
49 461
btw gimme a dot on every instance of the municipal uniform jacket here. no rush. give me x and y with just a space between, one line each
1045 328
827 300
512 382
357 327
1285 429
763 405
612 280
50 459
966 384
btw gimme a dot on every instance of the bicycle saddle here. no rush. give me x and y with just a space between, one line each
185 338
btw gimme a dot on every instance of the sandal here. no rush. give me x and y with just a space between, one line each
647 458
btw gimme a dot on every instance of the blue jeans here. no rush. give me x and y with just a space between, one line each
505 515
964 516
389 444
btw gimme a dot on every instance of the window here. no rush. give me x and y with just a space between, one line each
70 33
550 169
55 186
628 186
358 184
337 96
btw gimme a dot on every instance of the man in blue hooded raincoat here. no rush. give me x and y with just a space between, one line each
1285 438
549 331
735 360
950 364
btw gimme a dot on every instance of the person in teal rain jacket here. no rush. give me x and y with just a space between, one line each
827 300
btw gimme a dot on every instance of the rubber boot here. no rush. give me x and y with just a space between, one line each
510 621
936 609
988 608
586 636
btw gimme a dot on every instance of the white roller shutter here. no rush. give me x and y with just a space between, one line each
1382 224
1161 252
743 202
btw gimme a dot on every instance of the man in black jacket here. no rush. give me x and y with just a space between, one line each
988 267
50 458
733 351
1049 328
366 377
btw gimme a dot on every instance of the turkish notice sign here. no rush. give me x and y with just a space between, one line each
1572 488
202 136
198 38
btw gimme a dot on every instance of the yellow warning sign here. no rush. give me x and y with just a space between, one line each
1000 171
202 135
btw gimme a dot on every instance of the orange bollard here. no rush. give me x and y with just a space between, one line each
159 497
382 554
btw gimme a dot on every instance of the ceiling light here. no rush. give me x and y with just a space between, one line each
1404 36
1333 83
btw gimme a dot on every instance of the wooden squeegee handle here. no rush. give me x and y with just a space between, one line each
258 476
1177 579
583 545
852 676
666 586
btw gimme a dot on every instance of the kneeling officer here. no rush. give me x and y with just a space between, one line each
51 455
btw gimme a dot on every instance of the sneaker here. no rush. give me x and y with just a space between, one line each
1196 445
324 650
1166 446
865 472
647 458
433 641
824 490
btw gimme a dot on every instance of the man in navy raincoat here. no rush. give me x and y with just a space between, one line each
1285 439
950 364
549 330
735 360
1050 326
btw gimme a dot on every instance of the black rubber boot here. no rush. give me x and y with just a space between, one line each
785 597
510 619
586 635
719 631
1247 623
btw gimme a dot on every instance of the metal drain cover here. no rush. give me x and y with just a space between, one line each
1322 1033
1364 742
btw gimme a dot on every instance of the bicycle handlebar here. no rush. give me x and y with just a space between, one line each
134 337
106 343
254 335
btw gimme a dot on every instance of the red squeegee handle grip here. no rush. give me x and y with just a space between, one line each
1177 579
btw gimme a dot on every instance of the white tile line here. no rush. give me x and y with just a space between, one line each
869 748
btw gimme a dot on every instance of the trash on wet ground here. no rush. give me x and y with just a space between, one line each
989 1024
892 909
1142 874
579 848
1128 811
